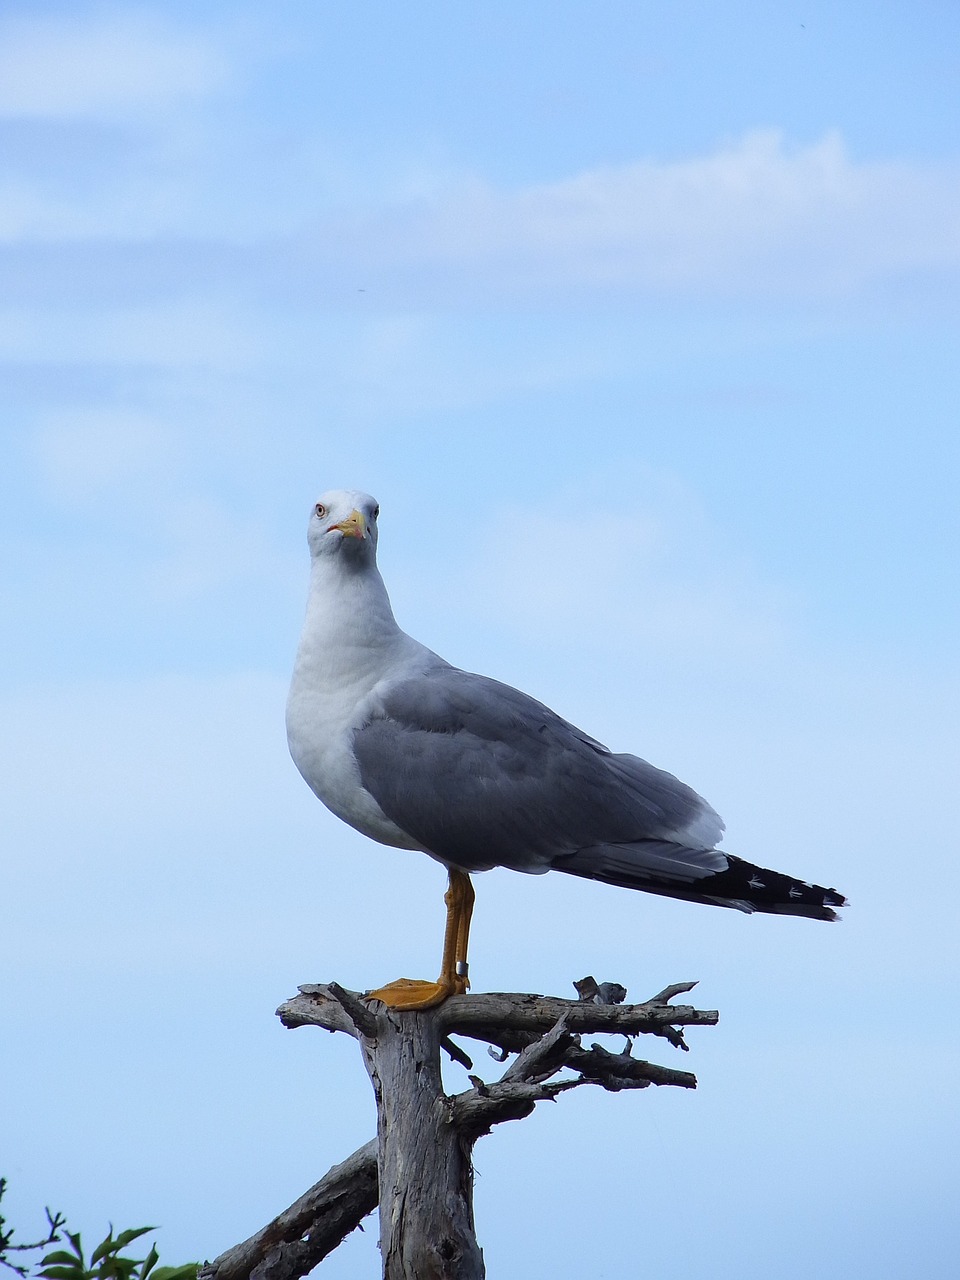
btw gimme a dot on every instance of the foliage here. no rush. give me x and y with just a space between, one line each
55 1223
106 1262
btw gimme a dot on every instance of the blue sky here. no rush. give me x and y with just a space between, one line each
641 323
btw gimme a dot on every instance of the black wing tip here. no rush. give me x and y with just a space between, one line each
832 898
816 903
761 889
808 911
741 885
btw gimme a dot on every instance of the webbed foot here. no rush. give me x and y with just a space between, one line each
414 993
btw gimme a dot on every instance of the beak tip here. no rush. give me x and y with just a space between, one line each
354 526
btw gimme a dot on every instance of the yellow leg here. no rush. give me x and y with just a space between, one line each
463 931
411 993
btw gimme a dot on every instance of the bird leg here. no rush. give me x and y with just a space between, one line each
412 993
463 929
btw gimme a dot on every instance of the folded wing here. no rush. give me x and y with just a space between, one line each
482 775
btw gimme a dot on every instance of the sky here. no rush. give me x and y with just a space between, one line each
640 322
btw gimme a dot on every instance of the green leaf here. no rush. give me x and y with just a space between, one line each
75 1242
134 1233
105 1246
118 1269
62 1273
149 1262
60 1255
188 1271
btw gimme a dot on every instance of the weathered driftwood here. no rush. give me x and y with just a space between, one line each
419 1169
300 1237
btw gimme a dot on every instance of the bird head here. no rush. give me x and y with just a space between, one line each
344 522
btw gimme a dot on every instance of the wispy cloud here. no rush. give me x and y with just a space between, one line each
618 574
209 547
86 454
120 61
756 216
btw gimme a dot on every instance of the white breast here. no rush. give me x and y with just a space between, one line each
320 730
350 649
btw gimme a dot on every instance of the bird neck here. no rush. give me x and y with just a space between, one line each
350 631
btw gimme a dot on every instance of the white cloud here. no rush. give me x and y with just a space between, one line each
756 215
630 563
190 332
209 546
118 61
88 453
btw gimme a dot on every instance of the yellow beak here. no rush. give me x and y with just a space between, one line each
355 525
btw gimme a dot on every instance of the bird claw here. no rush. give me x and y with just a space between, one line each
415 993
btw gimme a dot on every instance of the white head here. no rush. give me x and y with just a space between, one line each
343 522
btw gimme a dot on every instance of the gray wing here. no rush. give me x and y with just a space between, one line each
482 775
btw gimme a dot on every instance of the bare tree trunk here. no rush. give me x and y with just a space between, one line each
426 1172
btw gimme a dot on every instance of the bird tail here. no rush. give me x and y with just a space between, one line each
701 875
752 888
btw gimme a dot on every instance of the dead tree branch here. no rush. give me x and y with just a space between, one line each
301 1237
419 1168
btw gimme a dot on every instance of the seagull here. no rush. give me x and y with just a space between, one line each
417 754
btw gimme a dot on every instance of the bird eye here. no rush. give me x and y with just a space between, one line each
320 509
376 512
